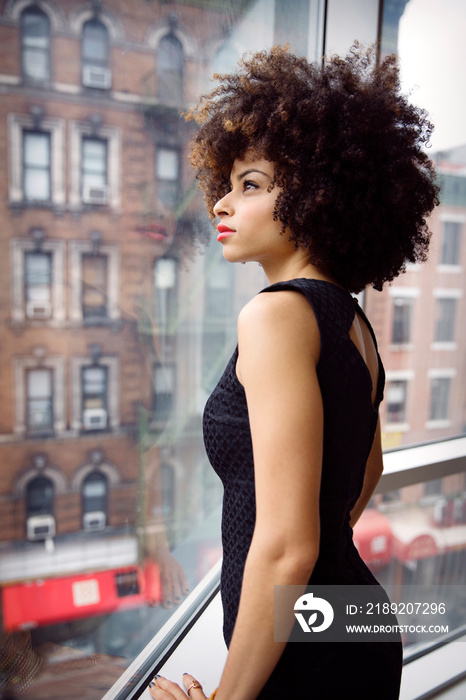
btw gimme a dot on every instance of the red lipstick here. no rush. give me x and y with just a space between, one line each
223 232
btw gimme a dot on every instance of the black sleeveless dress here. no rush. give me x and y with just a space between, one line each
324 671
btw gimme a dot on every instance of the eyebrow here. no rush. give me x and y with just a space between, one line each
252 170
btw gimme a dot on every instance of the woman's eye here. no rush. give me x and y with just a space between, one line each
249 185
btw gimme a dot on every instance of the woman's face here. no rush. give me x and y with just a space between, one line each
247 229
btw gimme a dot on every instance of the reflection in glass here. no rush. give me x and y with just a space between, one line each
39 400
35 31
36 149
416 536
106 490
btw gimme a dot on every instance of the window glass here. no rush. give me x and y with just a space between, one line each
94 164
405 537
402 320
426 335
95 43
451 243
170 69
94 285
36 149
38 277
35 38
39 400
167 174
106 491
39 496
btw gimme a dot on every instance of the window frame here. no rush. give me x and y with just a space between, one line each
110 134
87 395
35 9
43 168
168 188
20 247
17 125
445 266
112 365
404 376
88 173
30 401
20 366
77 249
104 63
168 76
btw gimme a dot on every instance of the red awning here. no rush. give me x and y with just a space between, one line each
372 536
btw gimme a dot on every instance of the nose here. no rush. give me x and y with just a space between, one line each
224 206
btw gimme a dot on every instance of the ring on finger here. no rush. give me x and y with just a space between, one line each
194 684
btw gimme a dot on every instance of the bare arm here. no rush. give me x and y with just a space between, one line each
278 351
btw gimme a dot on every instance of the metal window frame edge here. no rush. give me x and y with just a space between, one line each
135 678
403 467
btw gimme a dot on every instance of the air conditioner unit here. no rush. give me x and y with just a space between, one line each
94 418
97 77
40 527
38 309
94 521
94 194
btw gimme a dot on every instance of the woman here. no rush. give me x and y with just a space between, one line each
318 174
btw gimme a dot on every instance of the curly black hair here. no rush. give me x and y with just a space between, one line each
347 148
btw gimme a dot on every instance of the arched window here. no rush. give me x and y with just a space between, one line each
35 44
170 70
95 55
94 500
39 497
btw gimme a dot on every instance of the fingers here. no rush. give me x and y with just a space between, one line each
174 583
193 687
162 689
183 581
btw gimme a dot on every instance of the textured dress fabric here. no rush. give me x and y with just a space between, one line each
325 671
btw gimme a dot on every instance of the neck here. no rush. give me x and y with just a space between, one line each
297 269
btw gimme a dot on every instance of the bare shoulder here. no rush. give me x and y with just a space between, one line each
280 319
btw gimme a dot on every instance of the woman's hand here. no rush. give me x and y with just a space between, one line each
172 578
163 689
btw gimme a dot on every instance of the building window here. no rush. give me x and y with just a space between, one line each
439 398
396 401
39 497
94 171
167 174
94 501
94 397
35 44
39 402
95 276
36 159
170 69
38 273
445 321
451 243
164 387
94 286
36 166
165 287
94 164
39 385
95 55
402 320
38 284
95 392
